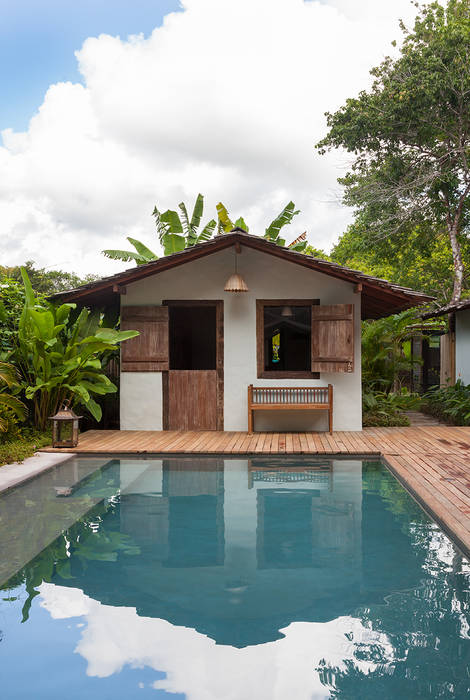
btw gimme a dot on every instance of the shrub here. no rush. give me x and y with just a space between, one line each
382 409
24 445
450 403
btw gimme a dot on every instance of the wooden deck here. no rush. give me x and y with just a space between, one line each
432 461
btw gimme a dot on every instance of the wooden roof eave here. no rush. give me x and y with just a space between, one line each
379 297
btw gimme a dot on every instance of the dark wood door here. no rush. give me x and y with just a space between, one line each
192 399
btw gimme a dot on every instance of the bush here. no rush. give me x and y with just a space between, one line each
450 403
24 446
380 409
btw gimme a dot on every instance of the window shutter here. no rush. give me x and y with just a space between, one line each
147 352
333 338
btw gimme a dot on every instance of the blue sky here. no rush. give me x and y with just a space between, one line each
38 39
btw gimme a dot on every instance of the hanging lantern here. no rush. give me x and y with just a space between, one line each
235 282
65 427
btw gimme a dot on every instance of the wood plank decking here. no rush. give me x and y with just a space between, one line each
432 461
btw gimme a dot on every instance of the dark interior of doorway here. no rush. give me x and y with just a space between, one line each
192 337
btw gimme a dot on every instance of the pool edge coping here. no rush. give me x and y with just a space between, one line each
17 473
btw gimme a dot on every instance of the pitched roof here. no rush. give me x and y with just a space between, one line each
448 309
379 297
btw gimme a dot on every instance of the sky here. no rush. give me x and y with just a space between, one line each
110 107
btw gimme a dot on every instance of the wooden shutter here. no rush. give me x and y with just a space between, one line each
333 338
148 352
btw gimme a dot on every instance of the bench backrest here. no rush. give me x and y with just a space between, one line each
291 395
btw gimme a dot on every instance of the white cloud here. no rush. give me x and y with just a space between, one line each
226 98
116 637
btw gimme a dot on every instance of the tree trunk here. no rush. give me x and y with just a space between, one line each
458 264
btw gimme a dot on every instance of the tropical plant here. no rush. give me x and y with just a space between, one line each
380 408
175 233
272 232
386 358
451 403
410 134
11 408
60 355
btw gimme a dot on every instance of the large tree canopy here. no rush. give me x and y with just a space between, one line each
410 135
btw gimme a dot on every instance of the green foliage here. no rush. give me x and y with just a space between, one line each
44 281
12 409
384 359
317 253
410 134
22 443
417 258
385 409
175 233
272 231
60 355
11 305
450 403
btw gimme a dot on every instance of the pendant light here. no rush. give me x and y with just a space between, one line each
286 311
235 282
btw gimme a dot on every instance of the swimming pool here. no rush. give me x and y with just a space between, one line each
213 578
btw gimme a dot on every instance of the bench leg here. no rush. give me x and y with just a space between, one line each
250 421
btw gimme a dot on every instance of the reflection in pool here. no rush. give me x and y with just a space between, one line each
210 578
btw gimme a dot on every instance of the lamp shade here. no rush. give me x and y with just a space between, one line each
235 283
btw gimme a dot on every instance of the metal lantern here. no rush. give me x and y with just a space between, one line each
65 427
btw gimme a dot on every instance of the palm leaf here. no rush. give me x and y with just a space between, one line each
173 243
284 218
14 404
197 213
171 218
240 222
142 249
162 227
224 219
8 374
124 255
185 222
207 231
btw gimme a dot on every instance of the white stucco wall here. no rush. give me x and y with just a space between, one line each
462 345
267 278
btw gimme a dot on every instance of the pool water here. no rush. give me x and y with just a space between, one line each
237 579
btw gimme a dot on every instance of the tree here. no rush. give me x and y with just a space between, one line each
175 233
42 280
410 134
418 257
272 231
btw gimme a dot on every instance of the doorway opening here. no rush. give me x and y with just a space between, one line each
193 385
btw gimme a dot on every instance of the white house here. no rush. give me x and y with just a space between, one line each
455 345
200 347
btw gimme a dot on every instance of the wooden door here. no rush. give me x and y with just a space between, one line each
192 399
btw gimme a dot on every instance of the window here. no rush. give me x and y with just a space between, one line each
284 329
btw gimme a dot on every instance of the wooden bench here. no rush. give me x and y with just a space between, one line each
290 399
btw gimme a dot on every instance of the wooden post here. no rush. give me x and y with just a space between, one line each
330 410
250 410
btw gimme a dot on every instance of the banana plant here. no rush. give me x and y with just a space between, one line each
60 355
176 231
272 232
